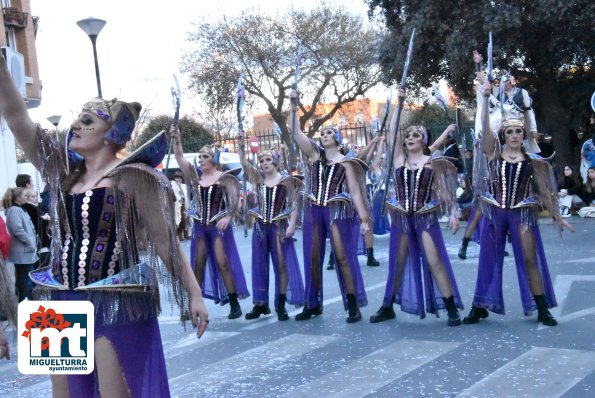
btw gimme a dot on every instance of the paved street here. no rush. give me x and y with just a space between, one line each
503 356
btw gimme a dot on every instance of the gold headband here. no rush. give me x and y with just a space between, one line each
513 123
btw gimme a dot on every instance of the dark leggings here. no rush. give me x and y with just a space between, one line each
23 284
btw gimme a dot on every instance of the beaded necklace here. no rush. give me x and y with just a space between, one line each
328 184
503 175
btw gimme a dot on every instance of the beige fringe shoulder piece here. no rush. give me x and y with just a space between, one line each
359 168
445 183
546 187
231 185
294 184
145 210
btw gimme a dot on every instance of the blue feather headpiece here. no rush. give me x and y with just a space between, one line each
120 115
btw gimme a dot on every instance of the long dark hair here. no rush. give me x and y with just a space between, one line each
590 184
573 178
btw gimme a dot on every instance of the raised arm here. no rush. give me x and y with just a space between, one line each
302 139
363 154
14 110
377 165
440 140
184 164
393 130
490 143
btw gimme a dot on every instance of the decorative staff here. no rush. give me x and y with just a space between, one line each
294 103
379 132
175 94
486 102
239 107
401 101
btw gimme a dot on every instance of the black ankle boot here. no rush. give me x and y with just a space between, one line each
372 262
235 311
543 313
475 315
308 313
454 319
383 314
282 314
257 311
463 249
354 314
331 262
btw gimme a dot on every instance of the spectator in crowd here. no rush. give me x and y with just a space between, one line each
41 222
567 192
181 205
452 151
23 250
469 162
24 181
588 150
588 195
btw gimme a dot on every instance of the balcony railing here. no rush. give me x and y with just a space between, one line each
15 18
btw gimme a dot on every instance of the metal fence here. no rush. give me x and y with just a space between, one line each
358 135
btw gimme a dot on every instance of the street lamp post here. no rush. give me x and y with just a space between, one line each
92 26
55 119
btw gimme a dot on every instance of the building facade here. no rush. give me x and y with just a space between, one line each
17 41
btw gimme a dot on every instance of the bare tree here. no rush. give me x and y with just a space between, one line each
338 61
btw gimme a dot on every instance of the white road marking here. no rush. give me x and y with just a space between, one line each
202 381
367 374
539 372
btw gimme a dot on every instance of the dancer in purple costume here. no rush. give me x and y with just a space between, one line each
276 217
517 187
335 196
418 260
113 235
215 202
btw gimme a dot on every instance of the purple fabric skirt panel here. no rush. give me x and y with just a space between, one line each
138 346
264 244
318 219
212 286
477 233
488 289
417 278
381 222
359 238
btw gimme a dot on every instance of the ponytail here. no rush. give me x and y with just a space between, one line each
11 195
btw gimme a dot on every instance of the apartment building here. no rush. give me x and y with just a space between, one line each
17 42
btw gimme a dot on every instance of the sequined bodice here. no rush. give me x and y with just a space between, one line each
272 201
211 201
413 188
90 251
326 181
513 183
